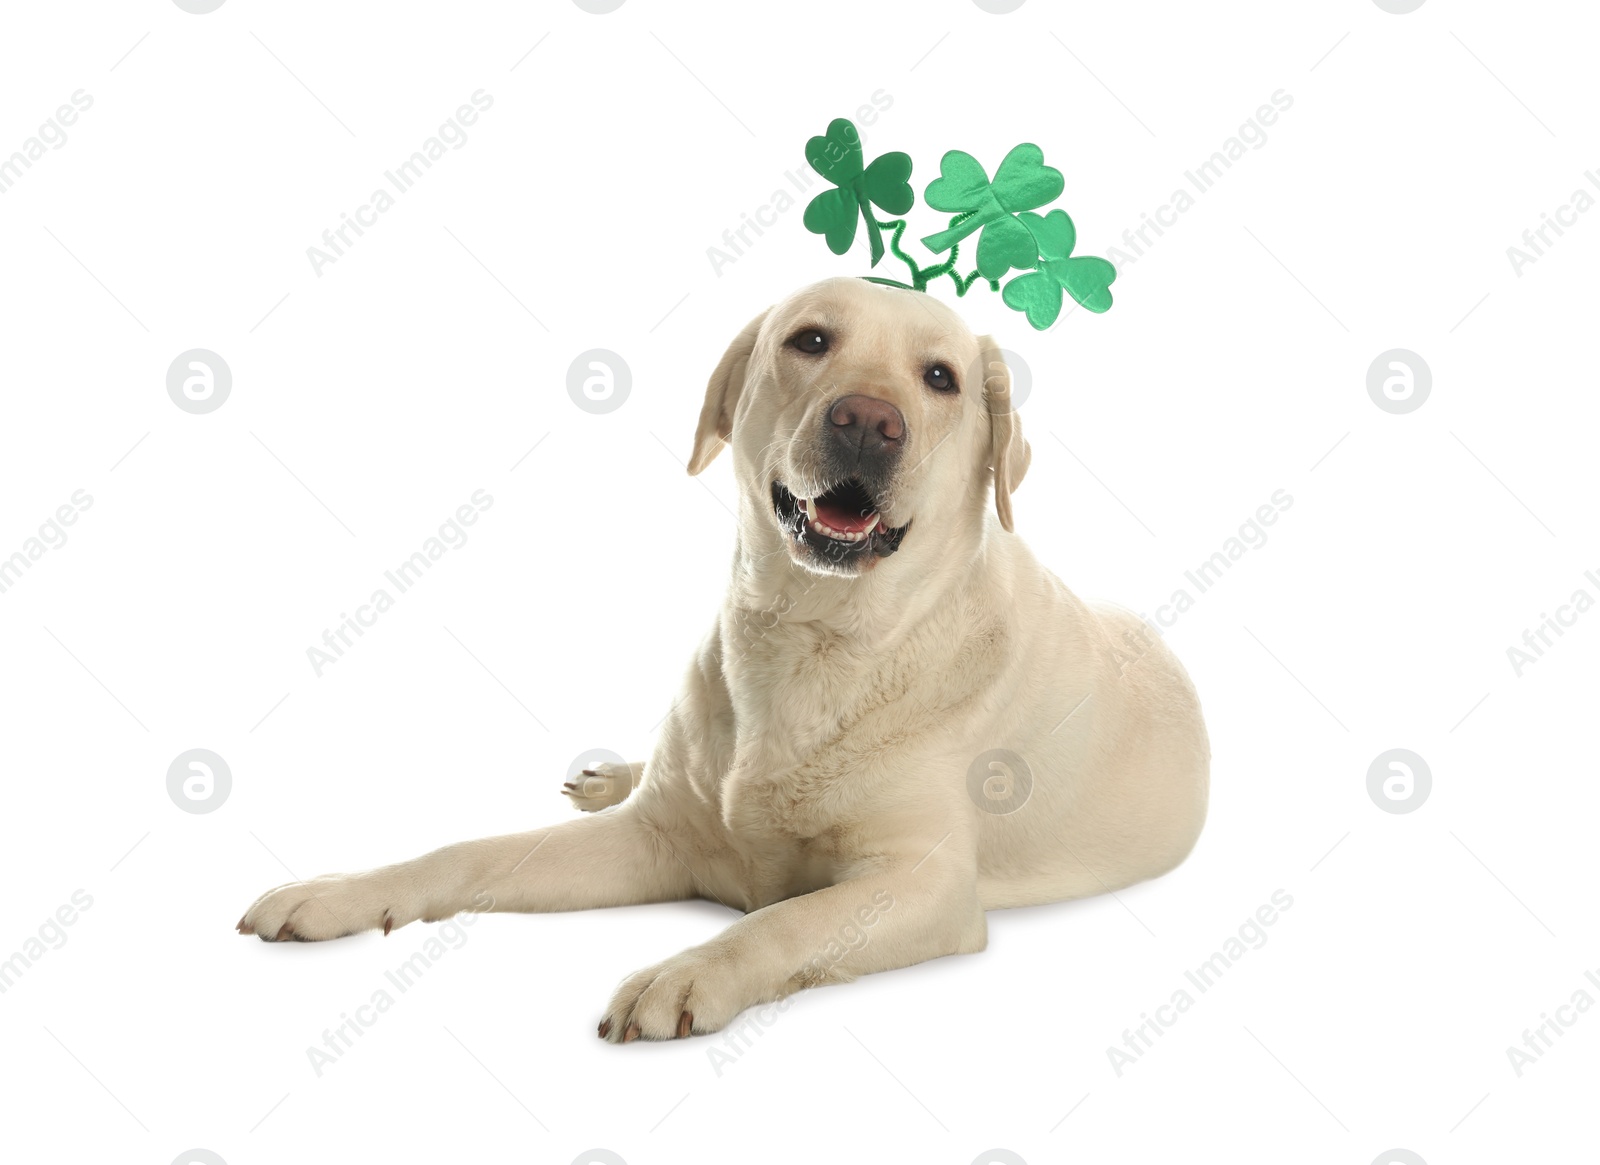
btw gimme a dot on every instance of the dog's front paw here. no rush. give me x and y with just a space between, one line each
697 992
329 907
602 786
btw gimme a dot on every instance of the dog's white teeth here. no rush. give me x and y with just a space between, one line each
828 531
872 524
811 509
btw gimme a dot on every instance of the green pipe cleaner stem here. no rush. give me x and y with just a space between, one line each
922 276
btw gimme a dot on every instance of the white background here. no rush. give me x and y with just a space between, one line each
371 401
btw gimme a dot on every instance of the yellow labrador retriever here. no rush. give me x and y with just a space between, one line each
899 721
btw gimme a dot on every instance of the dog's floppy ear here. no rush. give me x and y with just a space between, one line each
722 397
1009 453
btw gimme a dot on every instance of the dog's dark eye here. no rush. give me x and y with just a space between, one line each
940 379
811 341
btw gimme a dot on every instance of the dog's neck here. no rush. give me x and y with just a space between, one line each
810 658
875 607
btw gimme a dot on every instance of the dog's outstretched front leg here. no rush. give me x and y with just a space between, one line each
609 859
897 913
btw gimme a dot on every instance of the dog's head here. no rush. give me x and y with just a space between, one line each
864 419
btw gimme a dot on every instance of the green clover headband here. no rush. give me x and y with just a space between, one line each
1012 235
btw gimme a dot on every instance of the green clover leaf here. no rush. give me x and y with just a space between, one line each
1023 182
1087 278
837 156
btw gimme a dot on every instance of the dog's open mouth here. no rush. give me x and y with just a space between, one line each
840 525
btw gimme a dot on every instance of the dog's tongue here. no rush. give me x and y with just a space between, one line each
842 518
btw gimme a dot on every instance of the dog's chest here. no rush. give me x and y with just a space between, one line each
825 725
801 689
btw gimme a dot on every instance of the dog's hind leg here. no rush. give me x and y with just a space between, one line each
604 785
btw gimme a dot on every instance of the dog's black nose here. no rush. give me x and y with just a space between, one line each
864 426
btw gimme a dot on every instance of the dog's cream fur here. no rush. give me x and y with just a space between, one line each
814 771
